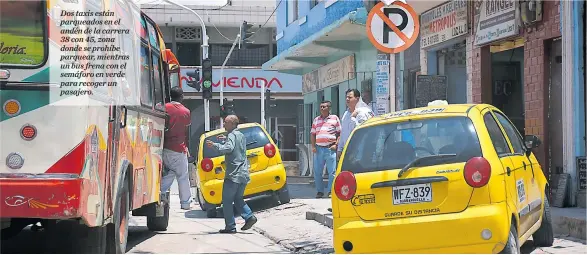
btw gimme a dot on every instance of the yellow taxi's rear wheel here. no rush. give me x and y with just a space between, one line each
283 194
544 237
205 206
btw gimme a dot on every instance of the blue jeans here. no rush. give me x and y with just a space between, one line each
233 192
324 156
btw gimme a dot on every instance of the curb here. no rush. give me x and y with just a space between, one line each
324 219
275 239
569 226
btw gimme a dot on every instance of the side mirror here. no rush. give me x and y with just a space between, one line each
191 159
531 142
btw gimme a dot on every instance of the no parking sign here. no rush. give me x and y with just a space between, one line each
392 28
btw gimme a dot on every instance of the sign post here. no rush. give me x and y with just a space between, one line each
392 27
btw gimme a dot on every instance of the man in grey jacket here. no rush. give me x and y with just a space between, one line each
236 176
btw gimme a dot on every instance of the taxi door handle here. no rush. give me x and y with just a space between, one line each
251 155
508 170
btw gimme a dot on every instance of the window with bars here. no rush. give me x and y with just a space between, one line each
253 55
188 54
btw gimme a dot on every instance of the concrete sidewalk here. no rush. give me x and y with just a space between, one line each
566 221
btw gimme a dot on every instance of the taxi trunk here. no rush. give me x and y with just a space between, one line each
400 174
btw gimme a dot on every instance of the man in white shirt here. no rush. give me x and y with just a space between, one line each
356 113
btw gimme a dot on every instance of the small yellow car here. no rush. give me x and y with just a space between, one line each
439 179
267 171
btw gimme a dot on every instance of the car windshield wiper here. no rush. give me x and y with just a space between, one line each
418 160
252 142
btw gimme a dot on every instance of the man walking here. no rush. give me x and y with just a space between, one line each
356 113
325 134
175 152
236 176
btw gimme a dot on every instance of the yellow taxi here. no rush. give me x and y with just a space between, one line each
267 171
439 179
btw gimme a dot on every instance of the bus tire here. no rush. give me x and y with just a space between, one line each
118 230
70 236
155 223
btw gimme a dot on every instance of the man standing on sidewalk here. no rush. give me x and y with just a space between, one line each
325 134
356 113
175 151
236 176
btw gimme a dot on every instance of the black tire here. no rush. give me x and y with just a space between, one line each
201 200
118 231
155 223
513 244
283 195
70 236
211 212
544 236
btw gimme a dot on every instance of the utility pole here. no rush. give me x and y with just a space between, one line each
204 56
263 103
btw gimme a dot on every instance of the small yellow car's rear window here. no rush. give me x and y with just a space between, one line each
255 138
394 145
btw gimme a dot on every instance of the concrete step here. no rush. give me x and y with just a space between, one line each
569 221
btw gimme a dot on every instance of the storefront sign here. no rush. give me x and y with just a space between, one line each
497 20
248 80
328 75
382 85
443 23
337 72
582 169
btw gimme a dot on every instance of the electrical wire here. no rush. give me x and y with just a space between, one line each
270 16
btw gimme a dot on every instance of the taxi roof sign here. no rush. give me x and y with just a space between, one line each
392 28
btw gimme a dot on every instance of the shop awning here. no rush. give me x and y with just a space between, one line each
338 38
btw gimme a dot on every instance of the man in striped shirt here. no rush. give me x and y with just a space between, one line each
325 134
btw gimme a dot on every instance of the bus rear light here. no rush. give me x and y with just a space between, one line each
11 107
28 132
4 74
14 161
207 165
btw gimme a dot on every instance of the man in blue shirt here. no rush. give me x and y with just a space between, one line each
236 176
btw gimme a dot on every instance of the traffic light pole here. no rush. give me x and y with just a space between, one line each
263 104
205 56
222 74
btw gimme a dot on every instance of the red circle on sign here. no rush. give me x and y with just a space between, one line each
410 42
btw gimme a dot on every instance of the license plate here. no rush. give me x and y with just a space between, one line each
411 194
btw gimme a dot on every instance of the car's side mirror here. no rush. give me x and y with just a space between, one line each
531 142
191 159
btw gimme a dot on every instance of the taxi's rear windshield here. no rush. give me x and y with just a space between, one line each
255 138
394 145
22 33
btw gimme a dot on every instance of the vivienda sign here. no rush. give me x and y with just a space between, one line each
247 80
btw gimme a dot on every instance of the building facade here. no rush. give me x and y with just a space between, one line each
243 75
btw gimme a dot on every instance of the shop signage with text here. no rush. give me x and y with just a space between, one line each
331 74
248 80
498 19
443 23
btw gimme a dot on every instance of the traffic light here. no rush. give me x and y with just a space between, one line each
269 102
195 79
207 78
227 108
246 34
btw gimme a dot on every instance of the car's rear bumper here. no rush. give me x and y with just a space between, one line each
50 196
443 233
271 179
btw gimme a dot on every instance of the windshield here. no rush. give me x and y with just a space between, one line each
255 138
394 145
22 37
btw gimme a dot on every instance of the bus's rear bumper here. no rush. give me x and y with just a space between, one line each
44 196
